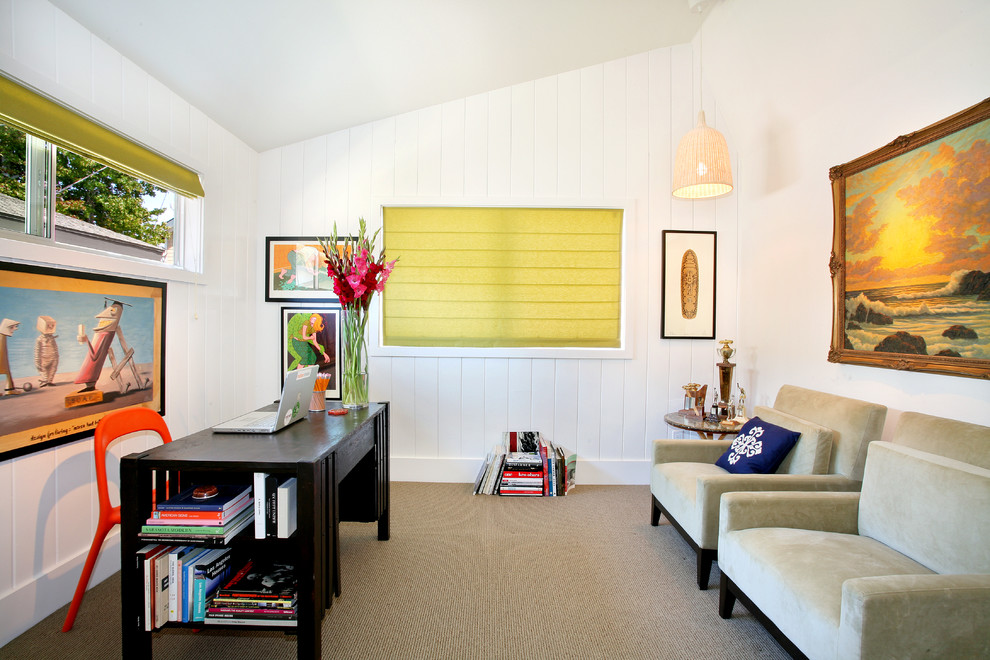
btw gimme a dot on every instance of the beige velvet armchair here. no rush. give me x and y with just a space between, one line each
686 485
900 570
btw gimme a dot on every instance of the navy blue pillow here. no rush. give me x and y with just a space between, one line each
759 448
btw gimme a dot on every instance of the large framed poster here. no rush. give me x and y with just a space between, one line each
73 347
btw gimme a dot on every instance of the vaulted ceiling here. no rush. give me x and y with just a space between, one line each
275 73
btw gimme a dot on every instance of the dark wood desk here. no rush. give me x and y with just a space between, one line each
342 468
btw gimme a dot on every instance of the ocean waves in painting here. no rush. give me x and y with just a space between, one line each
950 323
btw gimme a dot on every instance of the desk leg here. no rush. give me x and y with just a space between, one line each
382 474
311 489
135 485
335 526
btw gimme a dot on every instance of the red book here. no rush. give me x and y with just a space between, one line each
522 474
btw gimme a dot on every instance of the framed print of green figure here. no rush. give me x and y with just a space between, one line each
911 251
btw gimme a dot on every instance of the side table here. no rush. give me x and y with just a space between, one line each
705 430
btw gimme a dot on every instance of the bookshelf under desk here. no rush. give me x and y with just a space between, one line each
342 468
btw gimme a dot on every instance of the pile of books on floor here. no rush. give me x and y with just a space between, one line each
525 463
261 593
209 514
179 580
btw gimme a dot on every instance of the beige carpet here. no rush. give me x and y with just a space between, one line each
466 576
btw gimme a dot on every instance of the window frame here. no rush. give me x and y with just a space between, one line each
377 347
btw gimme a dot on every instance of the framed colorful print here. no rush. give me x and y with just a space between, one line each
688 287
73 347
911 251
295 270
311 335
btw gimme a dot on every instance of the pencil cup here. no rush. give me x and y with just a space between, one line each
318 403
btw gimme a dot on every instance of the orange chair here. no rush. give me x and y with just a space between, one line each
112 426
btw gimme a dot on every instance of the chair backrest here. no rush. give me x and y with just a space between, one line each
933 509
969 443
854 424
117 424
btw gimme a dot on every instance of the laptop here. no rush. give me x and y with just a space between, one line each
297 390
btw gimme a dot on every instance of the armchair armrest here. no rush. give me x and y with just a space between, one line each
822 511
898 616
688 451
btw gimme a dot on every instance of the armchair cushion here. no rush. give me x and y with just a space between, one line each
813 450
759 448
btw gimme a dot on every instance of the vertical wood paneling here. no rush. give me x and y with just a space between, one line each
425 411
108 86
314 187
499 142
496 399
403 407
565 420
476 145
7 523
520 395
34 36
452 146
473 439
634 440
136 101
291 183
614 129
522 141
338 179
429 152
449 407
7 49
359 177
160 115
406 154
589 405
543 400
592 132
545 137
383 158
569 135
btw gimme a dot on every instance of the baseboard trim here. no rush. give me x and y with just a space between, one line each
465 470
23 607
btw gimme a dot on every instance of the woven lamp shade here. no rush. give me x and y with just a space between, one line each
702 167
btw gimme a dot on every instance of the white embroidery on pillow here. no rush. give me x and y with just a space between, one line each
748 445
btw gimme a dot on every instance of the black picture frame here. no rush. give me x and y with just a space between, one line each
688 287
106 327
296 351
295 270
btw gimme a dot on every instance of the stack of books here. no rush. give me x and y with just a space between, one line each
526 463
261 593
209 514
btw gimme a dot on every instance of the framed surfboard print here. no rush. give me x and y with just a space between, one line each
688 286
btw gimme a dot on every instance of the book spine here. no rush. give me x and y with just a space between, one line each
221 601
265 612
271 506
245 621
286 509
259 504
197 530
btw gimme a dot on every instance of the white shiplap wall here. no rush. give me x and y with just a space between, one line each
600 134
48 503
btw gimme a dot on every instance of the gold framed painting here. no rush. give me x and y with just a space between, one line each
910 258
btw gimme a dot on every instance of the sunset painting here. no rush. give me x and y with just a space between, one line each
917 250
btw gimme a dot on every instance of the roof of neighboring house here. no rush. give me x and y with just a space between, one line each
14 209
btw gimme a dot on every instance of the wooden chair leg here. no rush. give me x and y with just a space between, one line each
94 552
705 560
726 598
655 511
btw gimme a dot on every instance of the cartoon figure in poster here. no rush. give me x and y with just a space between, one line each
99 349
303 346
303 269
46 351
7 327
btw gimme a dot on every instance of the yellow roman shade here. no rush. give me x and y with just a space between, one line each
503 277
32 113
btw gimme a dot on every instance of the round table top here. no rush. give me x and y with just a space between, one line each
681 420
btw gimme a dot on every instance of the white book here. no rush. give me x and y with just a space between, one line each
259 504
286 507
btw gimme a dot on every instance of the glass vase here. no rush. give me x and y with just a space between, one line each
354 373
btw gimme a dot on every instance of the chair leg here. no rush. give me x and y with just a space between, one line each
705 560
726 598
94 553
655 511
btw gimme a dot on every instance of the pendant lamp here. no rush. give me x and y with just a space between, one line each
702 168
